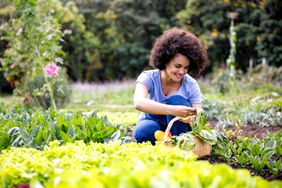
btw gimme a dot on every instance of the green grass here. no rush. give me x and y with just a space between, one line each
115 96
10 100
112 101
119 97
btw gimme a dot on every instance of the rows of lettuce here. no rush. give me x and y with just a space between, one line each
25 127
115 165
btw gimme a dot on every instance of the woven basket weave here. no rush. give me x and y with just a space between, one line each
201 148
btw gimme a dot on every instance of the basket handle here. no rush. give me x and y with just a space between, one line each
169 127
198 110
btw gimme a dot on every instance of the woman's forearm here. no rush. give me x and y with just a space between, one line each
149 106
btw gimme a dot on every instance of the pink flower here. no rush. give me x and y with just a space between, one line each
51 70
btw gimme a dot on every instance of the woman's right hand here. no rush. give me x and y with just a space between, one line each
183 111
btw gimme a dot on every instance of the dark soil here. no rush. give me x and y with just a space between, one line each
250 130
257 130
247 131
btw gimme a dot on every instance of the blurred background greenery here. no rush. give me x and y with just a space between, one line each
110 40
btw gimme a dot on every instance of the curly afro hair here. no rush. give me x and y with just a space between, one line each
175 41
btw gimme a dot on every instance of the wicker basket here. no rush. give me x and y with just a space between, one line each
201 148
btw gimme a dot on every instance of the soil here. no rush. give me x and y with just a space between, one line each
250 130
256 130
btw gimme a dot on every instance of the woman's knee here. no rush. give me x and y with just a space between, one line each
139 132
144 131
177 100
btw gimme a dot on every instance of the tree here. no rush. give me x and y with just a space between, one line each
126 30
208 20
5 11
270 42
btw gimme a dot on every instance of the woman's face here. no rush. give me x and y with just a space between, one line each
177 67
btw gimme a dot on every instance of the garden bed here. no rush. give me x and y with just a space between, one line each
250 130
114 165
265 173
256 130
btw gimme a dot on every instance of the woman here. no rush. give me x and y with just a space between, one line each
169 91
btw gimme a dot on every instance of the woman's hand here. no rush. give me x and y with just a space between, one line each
183 111
189 119
186 114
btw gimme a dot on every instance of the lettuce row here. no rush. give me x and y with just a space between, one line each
115 165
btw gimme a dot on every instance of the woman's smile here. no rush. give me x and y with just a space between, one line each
177 67
179 76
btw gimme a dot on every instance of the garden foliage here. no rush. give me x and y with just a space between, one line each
33 35
109 40
24 127
210 22
270 42
259 154
115 165
200 129
253 98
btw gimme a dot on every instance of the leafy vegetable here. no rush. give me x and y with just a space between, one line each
23 127
115 165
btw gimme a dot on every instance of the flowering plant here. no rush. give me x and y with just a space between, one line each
52 70
49 89
32 46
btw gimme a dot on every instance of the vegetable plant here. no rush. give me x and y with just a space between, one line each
115 165
24 127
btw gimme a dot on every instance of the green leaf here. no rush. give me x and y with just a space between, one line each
208 137
35 130
4 140
65 137
38 140
18 141
14 131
